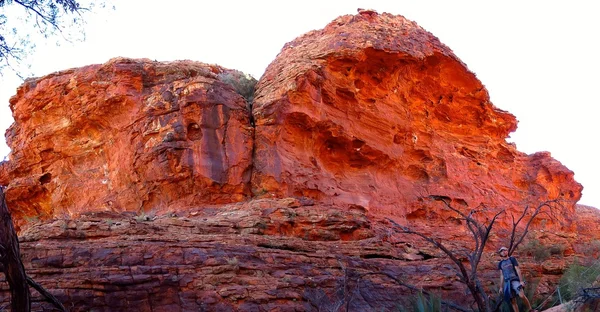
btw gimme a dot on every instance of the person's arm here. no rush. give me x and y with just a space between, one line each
521 280
501 283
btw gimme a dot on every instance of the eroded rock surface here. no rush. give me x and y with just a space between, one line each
128 135
261 255
373 110
159 187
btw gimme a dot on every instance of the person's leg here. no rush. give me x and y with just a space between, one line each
515 306
515 286
524 298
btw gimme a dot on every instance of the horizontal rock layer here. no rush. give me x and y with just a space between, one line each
256 256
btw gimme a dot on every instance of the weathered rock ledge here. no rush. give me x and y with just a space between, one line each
260 255
254 256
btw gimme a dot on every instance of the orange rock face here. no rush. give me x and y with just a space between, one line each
162 188
375 111
371 111
128 135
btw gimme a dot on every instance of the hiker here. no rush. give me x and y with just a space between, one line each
511 280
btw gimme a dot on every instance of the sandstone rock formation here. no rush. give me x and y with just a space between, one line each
374 111
259 255
128 135
371 111
159 186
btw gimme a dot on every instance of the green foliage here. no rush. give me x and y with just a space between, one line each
578 276
43 19
531 287
590 251
424 303
558 250
536 250
31 219
242 83
530 290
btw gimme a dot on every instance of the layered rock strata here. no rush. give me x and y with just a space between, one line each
260 255
165 187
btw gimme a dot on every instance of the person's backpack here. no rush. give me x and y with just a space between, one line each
513 262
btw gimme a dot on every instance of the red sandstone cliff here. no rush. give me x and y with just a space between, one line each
165 190
373 110
128 135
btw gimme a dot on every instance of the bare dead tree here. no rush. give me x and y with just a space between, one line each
10 257
12 266
517 238
480 231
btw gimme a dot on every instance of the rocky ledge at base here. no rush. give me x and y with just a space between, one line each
174 187
260 255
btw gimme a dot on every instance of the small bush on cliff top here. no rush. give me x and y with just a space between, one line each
242 83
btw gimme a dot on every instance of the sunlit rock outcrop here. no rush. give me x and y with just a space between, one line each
150 186
374 111
128 135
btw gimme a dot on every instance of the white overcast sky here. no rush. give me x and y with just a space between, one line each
538 59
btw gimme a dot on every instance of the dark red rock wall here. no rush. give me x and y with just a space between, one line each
262 255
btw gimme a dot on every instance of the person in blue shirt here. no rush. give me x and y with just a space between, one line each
511 280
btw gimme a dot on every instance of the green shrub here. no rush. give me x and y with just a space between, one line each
530 290
424 303
242 83
577 276
590 251
536 250
557 249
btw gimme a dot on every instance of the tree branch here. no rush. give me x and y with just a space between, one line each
38 13
437 244
12 266
515 242
49 297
